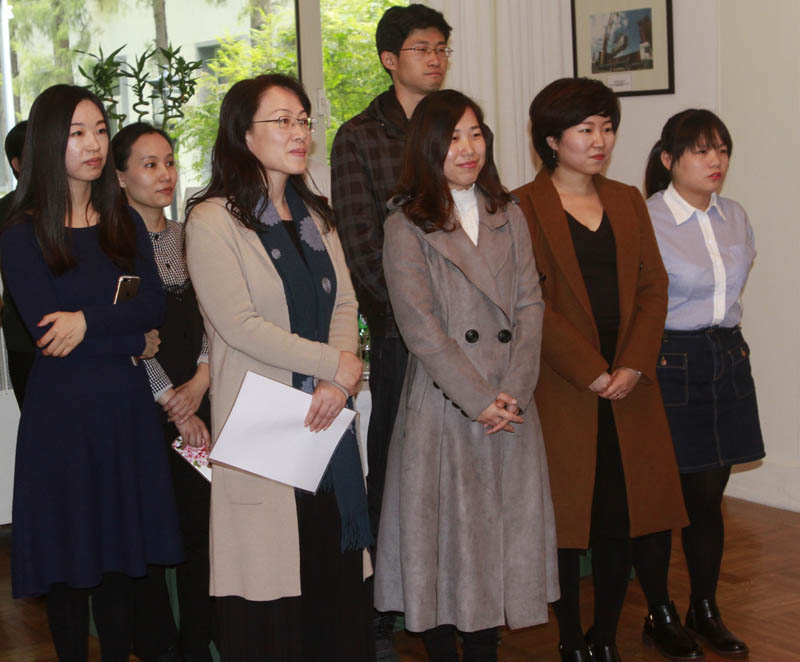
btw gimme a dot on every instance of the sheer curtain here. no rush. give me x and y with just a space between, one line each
505 51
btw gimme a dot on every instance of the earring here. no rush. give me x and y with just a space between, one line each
555 155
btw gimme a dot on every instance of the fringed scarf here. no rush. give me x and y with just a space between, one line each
310 289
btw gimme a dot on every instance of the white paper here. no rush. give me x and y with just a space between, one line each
264 434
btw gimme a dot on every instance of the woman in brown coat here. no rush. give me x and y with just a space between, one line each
614 479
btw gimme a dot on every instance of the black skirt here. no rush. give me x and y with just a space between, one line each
710 398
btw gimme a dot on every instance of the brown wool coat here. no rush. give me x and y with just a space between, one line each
571 360
467 534
255 548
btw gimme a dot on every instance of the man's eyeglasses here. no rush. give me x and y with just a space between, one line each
425 51
285 122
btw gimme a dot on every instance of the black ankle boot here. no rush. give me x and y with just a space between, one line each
581 654
663 629
601 652
704 620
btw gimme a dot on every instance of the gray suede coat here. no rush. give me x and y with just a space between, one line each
467 533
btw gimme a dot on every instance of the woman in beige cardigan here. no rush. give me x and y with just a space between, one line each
273 287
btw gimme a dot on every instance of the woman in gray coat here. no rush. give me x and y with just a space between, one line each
467 538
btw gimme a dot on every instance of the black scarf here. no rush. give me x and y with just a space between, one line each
310 289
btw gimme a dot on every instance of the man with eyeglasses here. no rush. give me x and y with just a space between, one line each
365 164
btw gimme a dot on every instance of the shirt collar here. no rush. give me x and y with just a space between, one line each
465 200
682 211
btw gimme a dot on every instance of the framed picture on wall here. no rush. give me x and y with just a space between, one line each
626 44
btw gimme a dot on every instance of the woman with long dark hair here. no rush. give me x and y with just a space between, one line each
707 245
467 538
612 467
93 502
179 381
287 567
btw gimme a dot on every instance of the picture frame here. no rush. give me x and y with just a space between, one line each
626 44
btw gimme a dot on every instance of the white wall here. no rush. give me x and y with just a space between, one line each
696 73
9 415
759 56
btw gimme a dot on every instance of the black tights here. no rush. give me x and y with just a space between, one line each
703 539
479 646
612 559
68 615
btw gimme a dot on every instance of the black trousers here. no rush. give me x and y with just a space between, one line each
388 357
440 644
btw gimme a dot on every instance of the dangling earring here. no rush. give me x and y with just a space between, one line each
555 155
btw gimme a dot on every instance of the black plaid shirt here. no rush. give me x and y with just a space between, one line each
366 158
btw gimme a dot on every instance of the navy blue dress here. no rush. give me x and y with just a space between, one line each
92 491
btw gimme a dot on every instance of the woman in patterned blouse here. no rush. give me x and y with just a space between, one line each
179 380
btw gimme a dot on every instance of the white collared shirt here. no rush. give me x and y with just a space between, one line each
707 253
467 208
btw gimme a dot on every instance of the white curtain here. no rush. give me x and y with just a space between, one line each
505 51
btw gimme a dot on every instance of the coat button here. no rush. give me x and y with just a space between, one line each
471 336
326 285
504 336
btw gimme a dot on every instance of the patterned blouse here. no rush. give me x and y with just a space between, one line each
168 249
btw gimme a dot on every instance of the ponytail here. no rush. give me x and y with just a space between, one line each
656 176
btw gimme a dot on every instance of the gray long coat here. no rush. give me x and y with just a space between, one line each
467 533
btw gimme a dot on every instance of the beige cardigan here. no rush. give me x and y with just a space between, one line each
254 538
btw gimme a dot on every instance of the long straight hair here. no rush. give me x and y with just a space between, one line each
429 202
43 192
684 130
236 173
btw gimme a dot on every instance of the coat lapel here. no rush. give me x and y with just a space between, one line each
480 263
553 221
622 217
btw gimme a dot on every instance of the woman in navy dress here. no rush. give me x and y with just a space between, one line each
93 502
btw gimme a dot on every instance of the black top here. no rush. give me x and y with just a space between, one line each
597 257
17 337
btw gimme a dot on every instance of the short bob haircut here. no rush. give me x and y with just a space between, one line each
123 142
43 194
564 103
683 131
236 173
422 182
398 22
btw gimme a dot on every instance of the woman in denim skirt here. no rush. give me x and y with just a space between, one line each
707 246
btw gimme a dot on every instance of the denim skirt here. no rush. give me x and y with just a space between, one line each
710 398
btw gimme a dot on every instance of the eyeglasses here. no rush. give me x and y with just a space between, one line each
425 51
286 122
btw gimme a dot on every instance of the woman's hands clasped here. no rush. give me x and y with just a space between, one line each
500 414
616 385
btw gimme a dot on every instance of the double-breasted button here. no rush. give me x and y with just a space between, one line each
471 336
504 335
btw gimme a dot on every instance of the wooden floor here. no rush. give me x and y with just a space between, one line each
759 594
